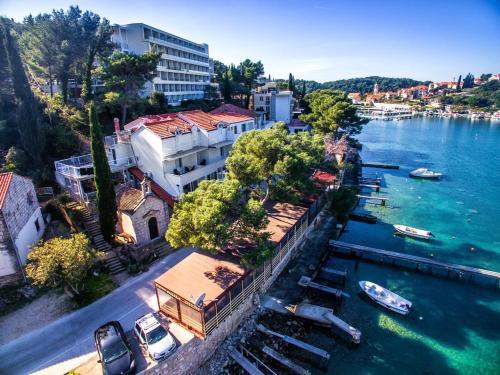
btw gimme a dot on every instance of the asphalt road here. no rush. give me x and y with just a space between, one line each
65 343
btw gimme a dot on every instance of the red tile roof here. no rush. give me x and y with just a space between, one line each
5 179
157 189
233 109
166 125
232 118
323 177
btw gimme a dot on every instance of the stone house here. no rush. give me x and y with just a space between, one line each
141 214
21 225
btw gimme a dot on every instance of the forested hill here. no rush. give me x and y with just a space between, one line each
362 85
366 84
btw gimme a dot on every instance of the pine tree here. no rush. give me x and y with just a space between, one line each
459 82
106 199
28 119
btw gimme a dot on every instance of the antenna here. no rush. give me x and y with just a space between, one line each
199 300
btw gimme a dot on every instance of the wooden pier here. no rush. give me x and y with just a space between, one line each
381 199
380 165
370 186
417 263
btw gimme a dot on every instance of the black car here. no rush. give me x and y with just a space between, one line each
115 353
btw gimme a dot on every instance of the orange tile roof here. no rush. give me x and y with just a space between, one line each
232 109
166 125
5 180
232 118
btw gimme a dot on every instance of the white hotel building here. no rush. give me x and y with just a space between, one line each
184 68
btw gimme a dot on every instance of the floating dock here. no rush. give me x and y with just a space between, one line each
417 263
380 165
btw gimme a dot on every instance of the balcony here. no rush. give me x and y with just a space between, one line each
81 167
187 174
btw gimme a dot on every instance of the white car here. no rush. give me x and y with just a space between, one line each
154 337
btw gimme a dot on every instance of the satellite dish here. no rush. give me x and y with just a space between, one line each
199 300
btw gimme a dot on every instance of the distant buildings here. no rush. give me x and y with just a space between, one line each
184 68
275 105
21 225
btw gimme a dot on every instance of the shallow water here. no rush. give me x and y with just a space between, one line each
454 328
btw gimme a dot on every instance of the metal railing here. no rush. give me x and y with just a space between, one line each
82 166
217 312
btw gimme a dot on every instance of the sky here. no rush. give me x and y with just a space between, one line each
319 39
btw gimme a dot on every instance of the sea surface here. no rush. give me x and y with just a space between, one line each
454 327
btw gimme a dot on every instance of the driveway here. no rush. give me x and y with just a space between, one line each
67 342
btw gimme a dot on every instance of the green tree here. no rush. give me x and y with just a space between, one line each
254 157
67 28
290 82
157 103
28 119
96 40
459 82
61 262
105 193
39 46
468 81
214 215
249 71
329 110
125 74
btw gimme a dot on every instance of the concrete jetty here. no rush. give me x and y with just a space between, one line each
323 354
317 314
380 165
417 263
293 367
308 283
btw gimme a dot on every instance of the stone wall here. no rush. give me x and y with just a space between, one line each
190 356
19 207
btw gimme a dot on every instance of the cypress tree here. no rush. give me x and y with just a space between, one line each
459 82
28 119
290 82
106 199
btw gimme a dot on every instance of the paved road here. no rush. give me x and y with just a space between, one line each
65 343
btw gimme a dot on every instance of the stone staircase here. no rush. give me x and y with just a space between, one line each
91 224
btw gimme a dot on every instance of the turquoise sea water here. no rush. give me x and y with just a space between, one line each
454 327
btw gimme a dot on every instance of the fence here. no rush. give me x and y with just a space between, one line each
217 311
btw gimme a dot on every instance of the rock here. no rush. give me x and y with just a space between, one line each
27 292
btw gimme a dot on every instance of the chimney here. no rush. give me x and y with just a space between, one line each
117 125
146 186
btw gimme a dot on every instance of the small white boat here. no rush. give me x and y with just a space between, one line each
413 232
425 173
386 298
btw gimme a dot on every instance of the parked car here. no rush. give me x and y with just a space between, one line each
154 337
113 348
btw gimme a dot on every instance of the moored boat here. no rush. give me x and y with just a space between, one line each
386 298
425 173
413 232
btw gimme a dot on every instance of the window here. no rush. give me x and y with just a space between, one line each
37 225
243 128
235 130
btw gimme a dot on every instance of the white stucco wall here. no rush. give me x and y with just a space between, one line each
29 235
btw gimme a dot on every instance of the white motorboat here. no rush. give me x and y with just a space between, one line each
425 173
413 232
386 298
